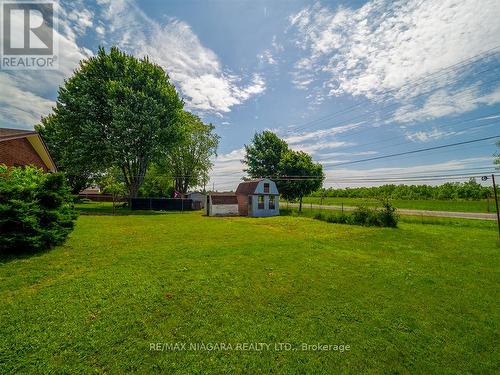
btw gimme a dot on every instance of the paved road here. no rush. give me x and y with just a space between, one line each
462 215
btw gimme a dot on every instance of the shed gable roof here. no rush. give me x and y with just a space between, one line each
248 187
229 198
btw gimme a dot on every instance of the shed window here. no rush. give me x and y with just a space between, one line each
271 202
266 187
261 202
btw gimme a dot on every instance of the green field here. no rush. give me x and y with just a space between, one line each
422 298
432 205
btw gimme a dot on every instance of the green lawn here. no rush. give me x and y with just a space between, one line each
433 205
422 298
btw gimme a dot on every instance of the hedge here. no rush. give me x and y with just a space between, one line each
36 210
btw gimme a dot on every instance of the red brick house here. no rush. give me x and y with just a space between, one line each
24 147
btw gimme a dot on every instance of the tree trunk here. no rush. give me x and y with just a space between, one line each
133 188
134 178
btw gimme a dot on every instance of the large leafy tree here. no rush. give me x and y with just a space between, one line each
300 176
264 154
190 160
115 111
70 154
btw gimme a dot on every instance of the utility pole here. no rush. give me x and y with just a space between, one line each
496 202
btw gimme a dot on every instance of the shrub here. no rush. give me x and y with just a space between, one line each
363 216
320 216
372 217
387 215
376 217
338 219
36 210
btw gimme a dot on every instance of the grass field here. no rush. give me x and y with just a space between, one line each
432 205
417 299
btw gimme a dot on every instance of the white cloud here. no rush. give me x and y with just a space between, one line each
81 18
237 154
27 95
383 45
488 117
313 148
321 134
227 170
444 103
100 30
196 69
426 136
267 57
356 153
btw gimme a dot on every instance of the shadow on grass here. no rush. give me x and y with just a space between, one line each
106 209
120 212
19 254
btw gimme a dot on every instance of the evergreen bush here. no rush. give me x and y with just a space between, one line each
36 210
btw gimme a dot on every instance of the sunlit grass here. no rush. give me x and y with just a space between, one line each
417 299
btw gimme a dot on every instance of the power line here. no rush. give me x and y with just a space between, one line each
408 178
439 127
474 59
349 121
415 151
456 171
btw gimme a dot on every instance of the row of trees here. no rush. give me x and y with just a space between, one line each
451 190
119 120
295 173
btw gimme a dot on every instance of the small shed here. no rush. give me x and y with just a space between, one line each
221 204
197 196
258 198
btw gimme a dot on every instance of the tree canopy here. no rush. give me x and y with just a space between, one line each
115 111
300 176
264 154
190 160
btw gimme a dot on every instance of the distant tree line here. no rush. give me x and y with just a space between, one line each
451 190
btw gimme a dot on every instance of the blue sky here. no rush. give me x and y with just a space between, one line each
342 80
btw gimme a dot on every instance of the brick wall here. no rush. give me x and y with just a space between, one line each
19 152
243 204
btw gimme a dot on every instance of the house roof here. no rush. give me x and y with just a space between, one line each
34 139
7 134
248 187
